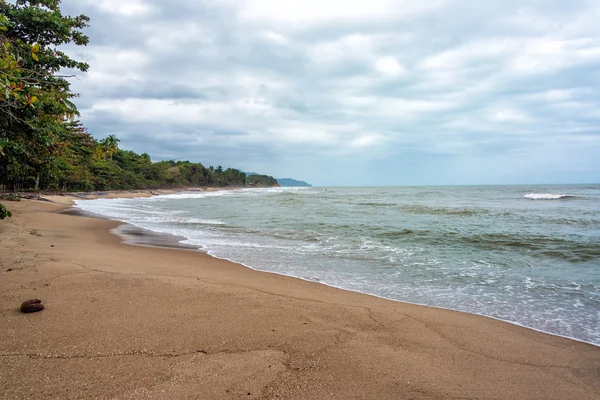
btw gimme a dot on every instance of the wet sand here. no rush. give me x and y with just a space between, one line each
129 322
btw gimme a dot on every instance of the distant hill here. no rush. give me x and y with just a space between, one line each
291 182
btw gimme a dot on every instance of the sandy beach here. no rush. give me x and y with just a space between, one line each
137 322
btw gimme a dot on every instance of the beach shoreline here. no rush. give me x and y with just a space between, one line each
144 309
137 234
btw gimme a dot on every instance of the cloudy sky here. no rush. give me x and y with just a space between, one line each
351 92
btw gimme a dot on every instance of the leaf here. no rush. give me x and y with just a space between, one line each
34 57
33 99
35 48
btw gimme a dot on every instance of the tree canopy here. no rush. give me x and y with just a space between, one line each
36 108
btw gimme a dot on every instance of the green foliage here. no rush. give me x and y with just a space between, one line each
129 170
4 212
35 102
107 147
261 180
12 197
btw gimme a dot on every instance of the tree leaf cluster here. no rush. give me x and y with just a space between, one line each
4 213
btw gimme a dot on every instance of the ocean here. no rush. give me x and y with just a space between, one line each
529 255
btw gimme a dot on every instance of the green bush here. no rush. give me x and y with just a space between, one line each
4 212
13 197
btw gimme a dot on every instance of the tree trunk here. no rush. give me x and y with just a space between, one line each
37 182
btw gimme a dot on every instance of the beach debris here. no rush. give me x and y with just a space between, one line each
11 197
32 197
33 305
8 270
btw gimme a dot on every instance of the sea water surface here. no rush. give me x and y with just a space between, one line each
524 254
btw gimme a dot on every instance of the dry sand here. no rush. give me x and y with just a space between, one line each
129 322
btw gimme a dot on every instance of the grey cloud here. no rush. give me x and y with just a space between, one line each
270 96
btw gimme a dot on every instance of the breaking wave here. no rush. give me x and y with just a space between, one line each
547 196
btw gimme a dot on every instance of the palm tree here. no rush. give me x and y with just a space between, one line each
110 145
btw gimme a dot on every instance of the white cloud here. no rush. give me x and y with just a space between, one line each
356 47
389 67
465 55
161 38
509 115
111 68
394 108
275 37
557 95
548 55
126 8
366 140
294 13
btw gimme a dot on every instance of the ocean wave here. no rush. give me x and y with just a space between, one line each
395 234
542 246
285 189
432 210
190 195
203 221
374 204
547 196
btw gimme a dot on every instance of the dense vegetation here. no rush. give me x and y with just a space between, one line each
42 144
261 180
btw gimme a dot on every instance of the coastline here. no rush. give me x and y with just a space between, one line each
137 235
176 317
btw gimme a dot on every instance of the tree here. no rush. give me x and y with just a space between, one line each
12 87
73 160
35 100
109 146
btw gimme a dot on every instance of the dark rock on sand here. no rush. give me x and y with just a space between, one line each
30 306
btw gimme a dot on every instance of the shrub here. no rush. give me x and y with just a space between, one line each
4 212
13 197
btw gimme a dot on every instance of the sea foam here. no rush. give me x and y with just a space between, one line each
547 196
